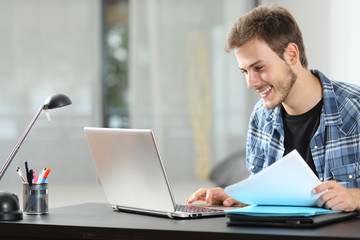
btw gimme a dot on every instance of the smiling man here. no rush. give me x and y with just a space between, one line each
299 109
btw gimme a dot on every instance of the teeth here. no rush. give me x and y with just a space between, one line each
266 90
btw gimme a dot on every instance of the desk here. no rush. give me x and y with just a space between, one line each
99 221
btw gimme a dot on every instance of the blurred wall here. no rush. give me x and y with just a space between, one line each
182 83
50 46
331 35
184 86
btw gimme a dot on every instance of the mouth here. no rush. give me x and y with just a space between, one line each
265 92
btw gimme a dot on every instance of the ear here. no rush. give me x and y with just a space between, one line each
291 54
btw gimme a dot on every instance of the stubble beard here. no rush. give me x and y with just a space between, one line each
282 89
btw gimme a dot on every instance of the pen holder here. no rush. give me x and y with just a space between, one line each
35 198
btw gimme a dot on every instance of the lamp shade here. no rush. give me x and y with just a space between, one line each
56 101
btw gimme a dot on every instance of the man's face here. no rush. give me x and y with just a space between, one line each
266 72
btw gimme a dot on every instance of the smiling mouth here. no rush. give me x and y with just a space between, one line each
264 93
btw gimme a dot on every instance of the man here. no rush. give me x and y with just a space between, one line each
299 109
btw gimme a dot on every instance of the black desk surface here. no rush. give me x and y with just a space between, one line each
99 221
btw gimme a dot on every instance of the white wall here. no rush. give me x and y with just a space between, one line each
344 40
331 35
50 46
313 20
184 86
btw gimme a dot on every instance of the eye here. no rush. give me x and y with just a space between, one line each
258 68
243 71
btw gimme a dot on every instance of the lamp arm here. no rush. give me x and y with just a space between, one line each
15 150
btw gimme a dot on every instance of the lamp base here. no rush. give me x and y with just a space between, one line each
9 207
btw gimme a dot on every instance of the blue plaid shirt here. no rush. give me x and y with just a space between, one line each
334 146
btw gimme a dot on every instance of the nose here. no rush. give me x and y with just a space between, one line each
253 82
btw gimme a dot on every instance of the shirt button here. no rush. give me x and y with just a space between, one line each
350 176
252 167
321 179
315 147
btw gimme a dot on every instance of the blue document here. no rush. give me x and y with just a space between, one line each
280 211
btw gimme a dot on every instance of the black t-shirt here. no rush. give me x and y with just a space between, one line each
299 130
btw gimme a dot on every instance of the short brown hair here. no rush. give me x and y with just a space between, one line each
273 24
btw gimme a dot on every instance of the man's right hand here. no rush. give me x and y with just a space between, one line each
214 196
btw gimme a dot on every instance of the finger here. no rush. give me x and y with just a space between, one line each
230 202
199 195
338 198
324 200
326 206
320 202
215 196
240 204
324 186
325 197
209 197
343 206
332 203
341 201
339 207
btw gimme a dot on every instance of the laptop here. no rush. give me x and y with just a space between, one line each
133 176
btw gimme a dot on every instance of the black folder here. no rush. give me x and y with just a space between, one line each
289 221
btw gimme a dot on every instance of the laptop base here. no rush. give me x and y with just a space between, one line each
174 215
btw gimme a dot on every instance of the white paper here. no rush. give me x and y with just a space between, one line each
288 181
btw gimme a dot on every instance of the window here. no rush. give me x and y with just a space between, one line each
116 52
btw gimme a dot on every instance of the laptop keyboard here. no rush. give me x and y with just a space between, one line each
195 209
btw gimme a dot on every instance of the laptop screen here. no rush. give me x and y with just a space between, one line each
130 169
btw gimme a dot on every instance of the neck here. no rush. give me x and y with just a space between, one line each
305 94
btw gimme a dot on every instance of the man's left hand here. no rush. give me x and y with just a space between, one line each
338 197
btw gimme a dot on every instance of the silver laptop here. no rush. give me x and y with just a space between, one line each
133 175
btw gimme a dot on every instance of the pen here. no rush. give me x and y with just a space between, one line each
44 177
18 171
27 171
31 172
41 175
35 178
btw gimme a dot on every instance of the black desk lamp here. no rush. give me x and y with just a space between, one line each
9 202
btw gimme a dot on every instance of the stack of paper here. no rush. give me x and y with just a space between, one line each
280 211
288 182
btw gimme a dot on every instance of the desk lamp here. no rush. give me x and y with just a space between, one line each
9 202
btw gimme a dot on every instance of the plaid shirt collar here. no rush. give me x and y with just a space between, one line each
331 113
